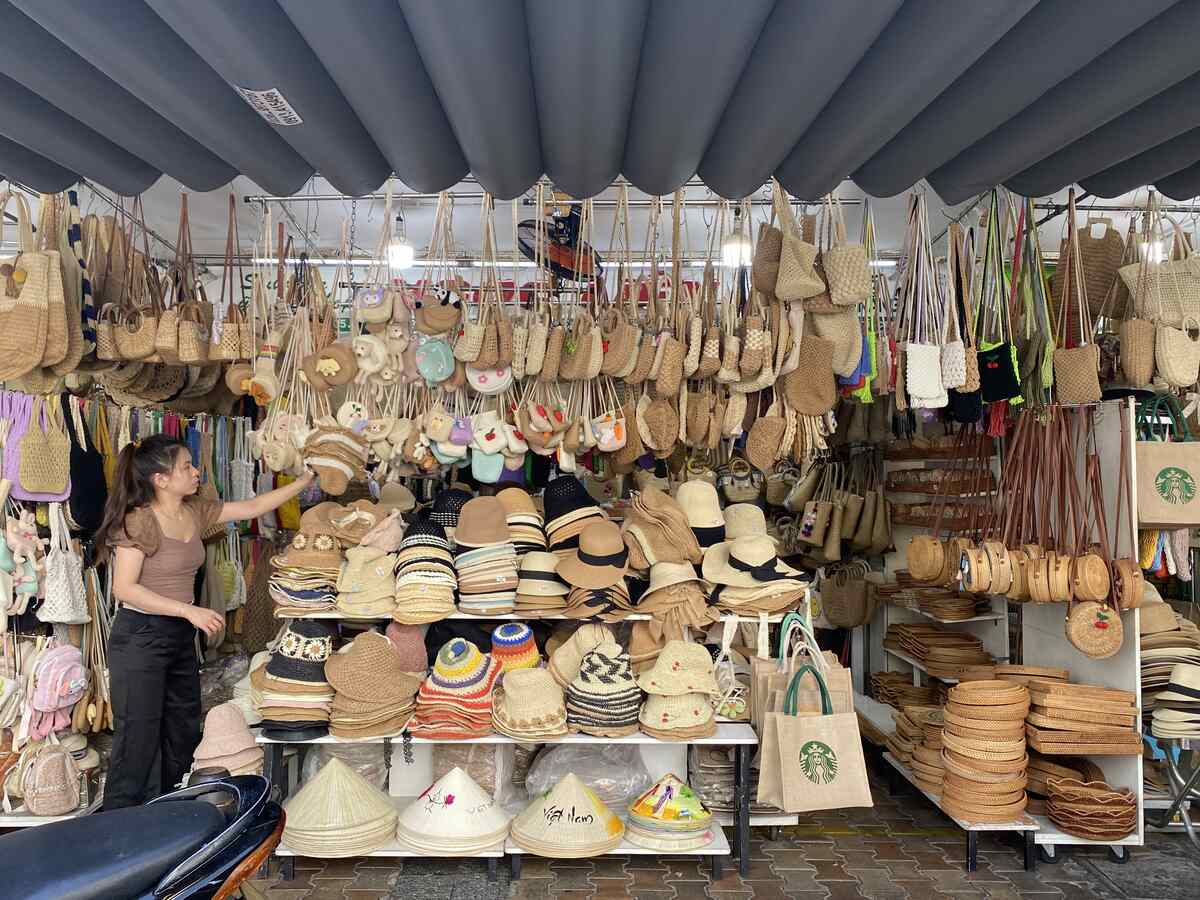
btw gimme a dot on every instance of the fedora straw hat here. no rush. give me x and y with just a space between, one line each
601 559
682 667
568 822
369 669
225 733
1184 685
743 520
702 506
745 562
338 813
529 704
481 522
539 576
453 816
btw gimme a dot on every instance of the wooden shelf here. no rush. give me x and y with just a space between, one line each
1025 823
916 665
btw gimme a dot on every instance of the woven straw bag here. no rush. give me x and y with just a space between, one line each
1076 369
45 452
489 347
846 266
1101 257
469 341
234 343
576 355
764 271
796 279
645 360
520 348
1173 285
536 345
553 355
710 354
504 337
106 339
1137 342
1094 629
754 346
699 411
134 334
844 331
670 370
23 300
765 437
166 335
193 335
811 390
1177 353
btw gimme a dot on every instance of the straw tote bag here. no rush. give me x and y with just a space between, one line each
1176 281
44 473
24 298
797 280
65 287
847 270
1076 369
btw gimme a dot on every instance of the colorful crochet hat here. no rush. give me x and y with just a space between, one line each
513 646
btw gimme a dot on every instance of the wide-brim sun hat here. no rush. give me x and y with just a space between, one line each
702 506
600 561
668 574
368 669
746 562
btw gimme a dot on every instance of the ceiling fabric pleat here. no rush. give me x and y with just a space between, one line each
48 131
1056 39
1182 185
692 58
1148 167
125 40
1159 119
32 56
920 53
1156 56
368 55
584 59
254 46
32 169
795 48
477 56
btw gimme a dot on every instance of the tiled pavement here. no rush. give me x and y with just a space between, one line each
903 847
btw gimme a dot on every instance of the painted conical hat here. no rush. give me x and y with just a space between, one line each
670 805
338 811
568 821
453 814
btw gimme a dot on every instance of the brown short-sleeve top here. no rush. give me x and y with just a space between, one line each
170 566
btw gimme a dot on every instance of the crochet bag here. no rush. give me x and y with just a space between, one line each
811 390
66 600
1077 369
765 438
797 279
44 472
847 270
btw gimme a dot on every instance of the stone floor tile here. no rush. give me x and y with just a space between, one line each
301 881
374 880
649 880
284 894
695 868
567 880
829 870
886 849
844 890
529 888
350 894
328 889
790 858
857 859
800 881
689 890
901 870
768 890
611 888
337 868
609 867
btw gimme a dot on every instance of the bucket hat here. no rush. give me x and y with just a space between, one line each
394 495
603 699
743 520
682 667
447 506
529 704
514 647
702 506
312 548
682 716
563 496
517 502
601 559
369 669
408 643
302 651
666 574
481 523
746 562
590 830
565 660
225 733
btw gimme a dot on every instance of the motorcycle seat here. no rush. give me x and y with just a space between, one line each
109 855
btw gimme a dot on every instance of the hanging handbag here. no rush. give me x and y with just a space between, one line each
811 390
797 279
66 601
1136 335
1168 467
1076 368
89 491
847 269
998 372
44 471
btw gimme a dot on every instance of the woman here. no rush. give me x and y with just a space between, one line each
152 529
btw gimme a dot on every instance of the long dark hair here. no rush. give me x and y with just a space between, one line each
132 484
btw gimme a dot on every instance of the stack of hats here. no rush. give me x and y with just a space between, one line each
453 817
227 743
513 646
677 597
524 521
540 592
595 570
669 818
351 522
603 698
646 640
296 698
1042 768
1167 640
1091 810
455 701
374 694
304 577
397 497
1177 709
983 751
245 696
569 509
447 506
367 584
568 822
679 689
338 813
485 559
529 707
425 578
408 643
338 456
751 578
702 507
567 656
656 529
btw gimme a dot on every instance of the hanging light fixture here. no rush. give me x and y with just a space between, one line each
400 253
736 249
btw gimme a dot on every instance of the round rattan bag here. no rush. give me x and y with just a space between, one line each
1094 629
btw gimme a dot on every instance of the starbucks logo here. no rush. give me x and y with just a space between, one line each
818 762
1175 485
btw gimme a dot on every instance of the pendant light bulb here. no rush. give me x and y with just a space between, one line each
400 253
736 249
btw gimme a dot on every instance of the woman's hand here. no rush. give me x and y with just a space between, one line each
207 620
307 478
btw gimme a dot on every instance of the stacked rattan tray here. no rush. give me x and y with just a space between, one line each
942 653
1042 768
1080 719
1091 810
909 732
896 689
983 751
927 767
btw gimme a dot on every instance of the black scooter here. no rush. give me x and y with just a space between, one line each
200 842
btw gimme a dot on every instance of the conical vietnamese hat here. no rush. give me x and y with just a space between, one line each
454 815
338 813
670 805
568 822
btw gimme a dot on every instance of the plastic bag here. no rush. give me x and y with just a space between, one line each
489 765
218 678
365 759
616 773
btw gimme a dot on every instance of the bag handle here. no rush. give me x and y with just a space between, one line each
790 699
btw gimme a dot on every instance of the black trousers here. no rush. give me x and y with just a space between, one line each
155 682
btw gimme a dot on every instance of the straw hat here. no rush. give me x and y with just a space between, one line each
565 495
529 704
539 576
601 559
453 816
338 813
447 505
669 817
225 733
313 547
565 660
702 506
408 643
1184 685
302 651
692 713
666 574
743 520
745 562
1155 618
604 699
368 669
514 647
394 495
568 822
682 667
517 502
481 522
